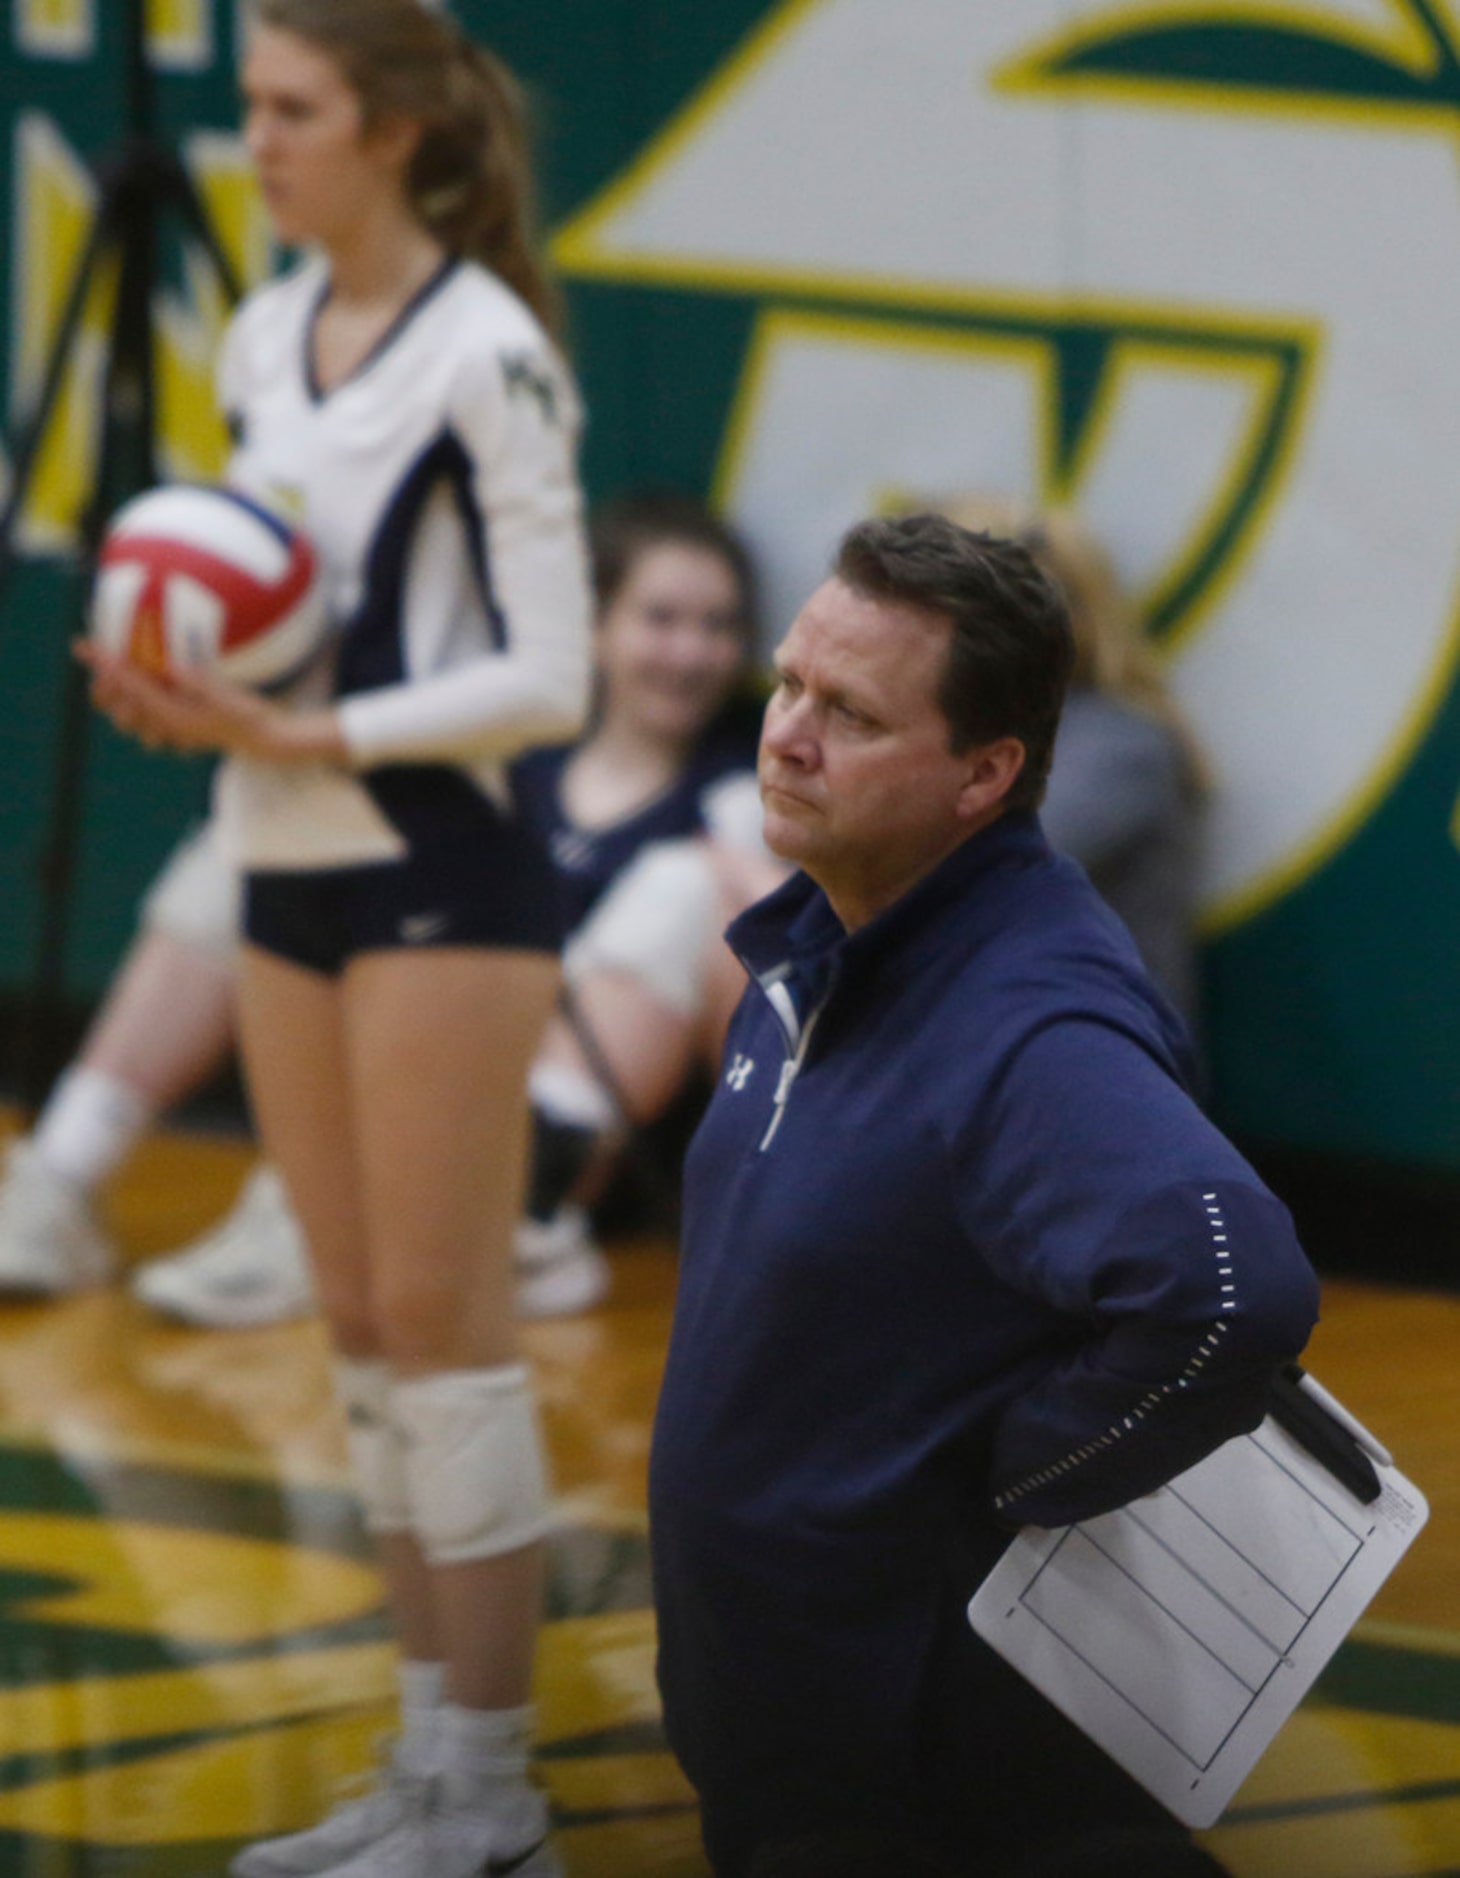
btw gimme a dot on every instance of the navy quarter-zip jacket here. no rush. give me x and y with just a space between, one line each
961 1252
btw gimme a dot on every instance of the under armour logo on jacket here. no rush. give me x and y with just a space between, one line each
740 1072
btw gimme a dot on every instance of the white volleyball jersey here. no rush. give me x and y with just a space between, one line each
438 483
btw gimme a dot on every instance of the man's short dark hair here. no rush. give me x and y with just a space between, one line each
1011 651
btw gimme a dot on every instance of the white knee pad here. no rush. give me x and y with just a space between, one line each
656 923
474 1465
198 896
377 1452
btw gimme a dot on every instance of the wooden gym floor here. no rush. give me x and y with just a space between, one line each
192 1652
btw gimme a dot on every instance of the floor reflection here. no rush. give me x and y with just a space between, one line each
193 1651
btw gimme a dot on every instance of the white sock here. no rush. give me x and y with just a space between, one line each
421 1684
422 1691
568 1095
89 1125
479 1749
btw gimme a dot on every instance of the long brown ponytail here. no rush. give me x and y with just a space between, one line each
471 178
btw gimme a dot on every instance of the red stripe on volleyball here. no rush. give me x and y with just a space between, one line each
250 606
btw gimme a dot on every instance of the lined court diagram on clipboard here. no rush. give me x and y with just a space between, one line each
1181 1631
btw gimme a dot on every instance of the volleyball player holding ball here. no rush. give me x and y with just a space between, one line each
400 395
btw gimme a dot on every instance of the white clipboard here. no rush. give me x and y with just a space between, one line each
1181 1631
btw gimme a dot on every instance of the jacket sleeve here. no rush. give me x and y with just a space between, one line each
516 417
1115 1201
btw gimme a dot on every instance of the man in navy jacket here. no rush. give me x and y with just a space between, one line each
961 1252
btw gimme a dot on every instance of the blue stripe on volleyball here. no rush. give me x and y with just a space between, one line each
276 524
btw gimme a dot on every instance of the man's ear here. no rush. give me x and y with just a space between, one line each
993 769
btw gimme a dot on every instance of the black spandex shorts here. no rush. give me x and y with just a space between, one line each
489 886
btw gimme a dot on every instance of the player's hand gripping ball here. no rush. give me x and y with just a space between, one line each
206 579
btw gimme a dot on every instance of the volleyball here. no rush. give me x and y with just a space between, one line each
204 578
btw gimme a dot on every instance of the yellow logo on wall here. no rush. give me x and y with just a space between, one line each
1145 259
57 29
179 32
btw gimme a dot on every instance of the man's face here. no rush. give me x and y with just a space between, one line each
858 783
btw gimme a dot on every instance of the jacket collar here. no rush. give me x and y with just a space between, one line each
793 936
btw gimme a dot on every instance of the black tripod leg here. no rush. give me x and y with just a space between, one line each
27 451
188 202
125 463
44 1038
145 181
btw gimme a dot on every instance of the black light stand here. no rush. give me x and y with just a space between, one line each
137 190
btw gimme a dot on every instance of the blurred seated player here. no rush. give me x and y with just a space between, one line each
1129 783
165 1028
654 821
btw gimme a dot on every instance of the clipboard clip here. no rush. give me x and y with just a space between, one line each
1295 1407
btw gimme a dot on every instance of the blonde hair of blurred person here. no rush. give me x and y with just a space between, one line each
1130 780
1112 654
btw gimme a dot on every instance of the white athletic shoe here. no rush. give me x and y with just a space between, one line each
510 1841
397 1806
250 1269
559 1268
50 1242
